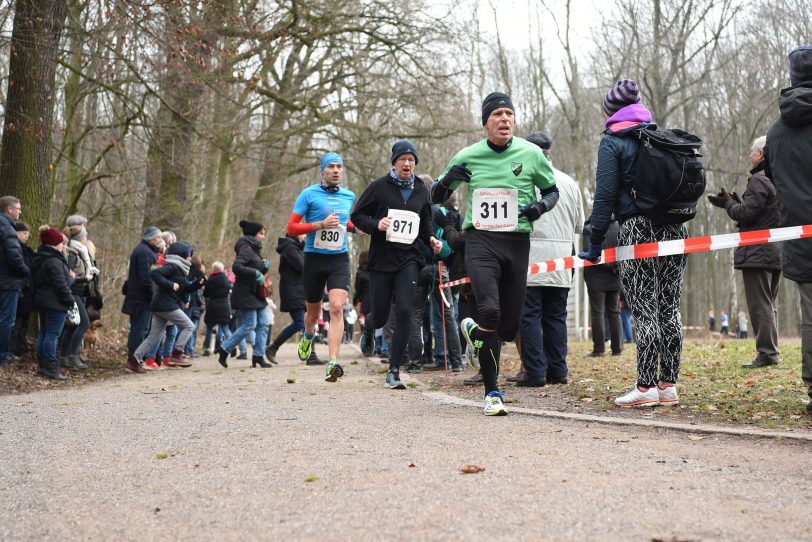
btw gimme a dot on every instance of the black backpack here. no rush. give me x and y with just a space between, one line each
670 177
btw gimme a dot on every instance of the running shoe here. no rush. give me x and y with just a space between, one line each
367 343
668 396
333 371
494 405
150 365
393 380
305 347
470 358
637 398
468 328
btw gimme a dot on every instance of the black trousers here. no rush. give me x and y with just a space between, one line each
400 286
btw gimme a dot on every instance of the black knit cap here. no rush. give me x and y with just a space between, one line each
250 228
541 139
20 226
494 101
402 147
800 65
181 248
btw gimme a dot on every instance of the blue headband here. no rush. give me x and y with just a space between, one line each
330 158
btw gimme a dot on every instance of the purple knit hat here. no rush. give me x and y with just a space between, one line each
625 92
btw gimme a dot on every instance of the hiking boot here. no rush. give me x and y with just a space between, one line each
668 395
638 398
222 357
413 367
367 343
333 371
75 362
531 382
759 362
150 365
433 367
305 347
270 353
562 380
51 373
475 380
314 359
393 380
135 366
594 354
494 405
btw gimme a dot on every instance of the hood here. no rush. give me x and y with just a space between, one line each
249 240
630 115
285 241
795 105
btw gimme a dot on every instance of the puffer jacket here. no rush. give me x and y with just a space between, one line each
51 280
13 270
218 300
245 295
758 210
291 263
789 152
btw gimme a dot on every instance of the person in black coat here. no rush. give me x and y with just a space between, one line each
395 210
603 286
173 288
53 298
758 209
361 291
194 304
13 272
217 294
25 303
137 289
291 291
251 306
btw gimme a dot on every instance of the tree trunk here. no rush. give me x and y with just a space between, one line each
24 163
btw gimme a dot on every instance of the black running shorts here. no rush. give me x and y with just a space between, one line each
320 270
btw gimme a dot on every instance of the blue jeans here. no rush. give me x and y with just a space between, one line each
223 332
250 322
543 332
452 332
140 318
626 322
190 344
8 314
296 326
51 324
164 346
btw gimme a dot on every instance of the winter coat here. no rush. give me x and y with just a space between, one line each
789 152
139 283
603 277
13 270
51 280
758 211
81 284
291 263
195 298
245 295
166 299
554 233
373 205
218 300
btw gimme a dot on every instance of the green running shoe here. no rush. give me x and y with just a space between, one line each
333 371
494 405
305 347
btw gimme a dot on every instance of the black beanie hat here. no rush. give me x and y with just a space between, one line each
250 228
800 65
20 226
180 248
541 139
403 147
494 101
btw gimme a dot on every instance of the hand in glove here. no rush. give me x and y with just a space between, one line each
735 197
593 255
720 199
533 211
457 172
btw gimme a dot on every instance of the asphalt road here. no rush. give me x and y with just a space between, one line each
212 454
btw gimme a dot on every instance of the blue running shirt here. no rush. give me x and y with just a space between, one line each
316 204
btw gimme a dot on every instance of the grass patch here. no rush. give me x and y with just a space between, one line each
69 404
354 362
412 385
311 479
433 388
161 455
713 387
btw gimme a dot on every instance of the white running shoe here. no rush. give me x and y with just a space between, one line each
668 396
494 405
637 398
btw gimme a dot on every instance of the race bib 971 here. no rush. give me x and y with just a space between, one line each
332 239
495 209
404 226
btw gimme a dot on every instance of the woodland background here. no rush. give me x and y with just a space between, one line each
191 115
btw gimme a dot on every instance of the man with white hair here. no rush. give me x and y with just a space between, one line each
757 209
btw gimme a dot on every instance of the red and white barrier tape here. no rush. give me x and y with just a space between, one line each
668 248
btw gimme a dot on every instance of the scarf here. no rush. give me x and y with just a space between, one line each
183 263
400 183
79 247
328 187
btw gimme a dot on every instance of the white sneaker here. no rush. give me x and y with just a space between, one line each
494 405
635 397
668 396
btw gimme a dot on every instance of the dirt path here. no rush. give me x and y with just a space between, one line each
209 454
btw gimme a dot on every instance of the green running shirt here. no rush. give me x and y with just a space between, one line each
521 166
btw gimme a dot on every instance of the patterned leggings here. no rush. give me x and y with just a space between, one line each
653 287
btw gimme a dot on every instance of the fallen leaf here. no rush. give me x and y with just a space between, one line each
412 465
749 383
695 437
471 469
587 399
